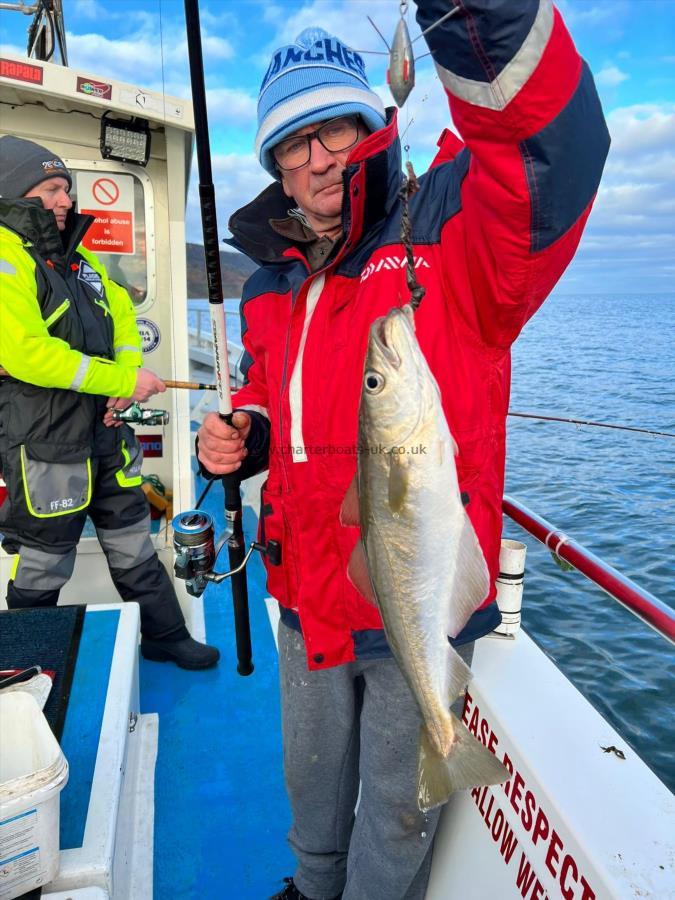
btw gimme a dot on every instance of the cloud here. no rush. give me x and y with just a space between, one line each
348 20
610 76
646 128
89 9
12 50
156 49
610 14
213 47
233 106
629 243
237 179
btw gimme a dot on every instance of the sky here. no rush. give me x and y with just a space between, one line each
629 243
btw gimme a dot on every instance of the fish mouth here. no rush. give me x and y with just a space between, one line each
381 335
384 330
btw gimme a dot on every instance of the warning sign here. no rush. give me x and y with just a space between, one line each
110 199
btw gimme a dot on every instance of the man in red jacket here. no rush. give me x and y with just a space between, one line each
495 222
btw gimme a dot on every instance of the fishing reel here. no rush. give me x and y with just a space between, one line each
197 551
138 415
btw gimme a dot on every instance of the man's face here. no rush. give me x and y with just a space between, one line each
54 196
317 186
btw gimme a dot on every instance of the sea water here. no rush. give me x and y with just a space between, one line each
610 359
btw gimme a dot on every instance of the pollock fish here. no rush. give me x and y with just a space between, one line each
419 558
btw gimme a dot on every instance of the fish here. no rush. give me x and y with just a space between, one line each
418 558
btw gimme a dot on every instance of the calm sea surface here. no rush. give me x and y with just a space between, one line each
610 359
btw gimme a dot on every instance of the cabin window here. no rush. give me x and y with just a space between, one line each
121 203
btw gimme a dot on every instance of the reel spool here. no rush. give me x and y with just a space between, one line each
195 550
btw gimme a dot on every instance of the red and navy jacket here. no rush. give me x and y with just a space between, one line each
495 223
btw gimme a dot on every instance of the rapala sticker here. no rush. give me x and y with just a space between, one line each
91 277
20 71
99 89
149 333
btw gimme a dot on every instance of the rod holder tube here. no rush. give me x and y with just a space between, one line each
510 586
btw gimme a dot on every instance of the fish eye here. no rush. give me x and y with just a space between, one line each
374 382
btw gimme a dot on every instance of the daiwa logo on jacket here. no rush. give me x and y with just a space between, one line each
392 262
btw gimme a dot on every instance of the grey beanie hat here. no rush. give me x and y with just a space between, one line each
23 164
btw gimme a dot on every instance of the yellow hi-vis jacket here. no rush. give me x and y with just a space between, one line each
39 339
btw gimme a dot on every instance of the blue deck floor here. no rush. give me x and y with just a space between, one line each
221 813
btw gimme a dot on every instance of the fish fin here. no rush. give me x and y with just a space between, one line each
459 675
349 511
472 580
398 482
358 575
469 764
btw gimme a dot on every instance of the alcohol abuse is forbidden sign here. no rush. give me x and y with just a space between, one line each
110 199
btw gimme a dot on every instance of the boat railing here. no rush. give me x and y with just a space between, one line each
641 603
201 334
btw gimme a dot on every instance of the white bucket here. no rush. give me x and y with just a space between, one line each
510 586
33 771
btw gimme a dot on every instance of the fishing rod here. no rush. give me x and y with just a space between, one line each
192 526
199 386
187 385
190 385
522 415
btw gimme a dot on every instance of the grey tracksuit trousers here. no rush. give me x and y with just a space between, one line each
350 725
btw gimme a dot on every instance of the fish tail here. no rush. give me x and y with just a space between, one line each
469 764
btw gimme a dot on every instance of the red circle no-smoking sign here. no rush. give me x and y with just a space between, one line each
105 191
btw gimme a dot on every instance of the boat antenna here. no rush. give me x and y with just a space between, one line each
231 483
46 31
48 13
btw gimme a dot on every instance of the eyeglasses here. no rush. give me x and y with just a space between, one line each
334 135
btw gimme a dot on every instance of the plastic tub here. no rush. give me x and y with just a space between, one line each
33 771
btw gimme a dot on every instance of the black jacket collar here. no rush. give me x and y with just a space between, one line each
32 222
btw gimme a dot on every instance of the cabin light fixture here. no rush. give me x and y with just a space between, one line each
127 140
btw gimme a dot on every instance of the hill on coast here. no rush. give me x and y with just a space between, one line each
234 269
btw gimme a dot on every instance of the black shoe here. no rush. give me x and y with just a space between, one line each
290 892
186 653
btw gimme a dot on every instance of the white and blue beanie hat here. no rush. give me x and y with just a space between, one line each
318 77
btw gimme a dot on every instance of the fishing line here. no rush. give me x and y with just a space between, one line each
178 467
409 186
404 12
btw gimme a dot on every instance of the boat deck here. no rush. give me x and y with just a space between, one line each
234 817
